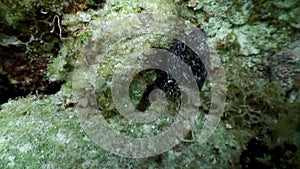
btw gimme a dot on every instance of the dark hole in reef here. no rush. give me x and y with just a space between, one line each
8 90
24 59
12 91
258 154
97 4
20 75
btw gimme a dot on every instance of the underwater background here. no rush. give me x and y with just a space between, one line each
257 41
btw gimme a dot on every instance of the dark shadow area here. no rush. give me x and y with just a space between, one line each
22 74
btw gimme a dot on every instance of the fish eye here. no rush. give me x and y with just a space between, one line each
182 46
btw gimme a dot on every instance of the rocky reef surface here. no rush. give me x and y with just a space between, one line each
42 41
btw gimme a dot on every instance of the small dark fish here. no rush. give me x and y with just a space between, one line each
183 52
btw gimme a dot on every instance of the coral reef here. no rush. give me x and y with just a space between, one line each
41 42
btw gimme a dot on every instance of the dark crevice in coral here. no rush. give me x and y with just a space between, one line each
13 91
25 50
8 90
22 73
98 4
260 155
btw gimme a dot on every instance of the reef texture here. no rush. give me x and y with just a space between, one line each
41 41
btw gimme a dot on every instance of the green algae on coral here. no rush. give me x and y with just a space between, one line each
43 132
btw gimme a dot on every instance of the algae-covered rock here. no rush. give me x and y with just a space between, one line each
255 41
